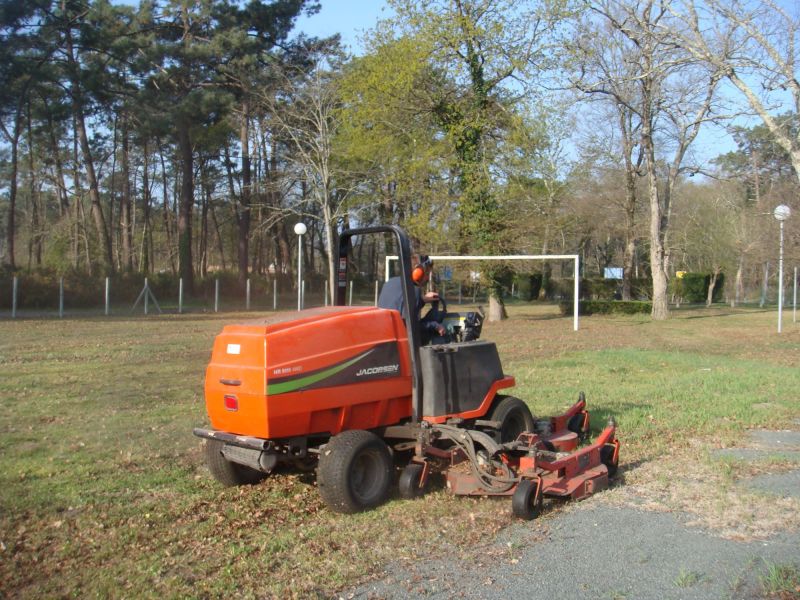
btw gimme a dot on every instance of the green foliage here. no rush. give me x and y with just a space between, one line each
693 287
600 289
781 580
387 137
528 285
773 162
686 578
607 307
597 288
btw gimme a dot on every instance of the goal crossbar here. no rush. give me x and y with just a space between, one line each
573 257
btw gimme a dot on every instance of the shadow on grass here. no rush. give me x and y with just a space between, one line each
716 315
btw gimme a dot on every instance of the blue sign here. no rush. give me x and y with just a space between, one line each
447 273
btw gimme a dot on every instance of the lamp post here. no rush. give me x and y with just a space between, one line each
781 213
300 229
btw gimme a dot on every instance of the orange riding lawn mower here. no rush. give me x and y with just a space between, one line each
352 392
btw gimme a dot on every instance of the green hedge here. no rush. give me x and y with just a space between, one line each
693 287
607 307
597 288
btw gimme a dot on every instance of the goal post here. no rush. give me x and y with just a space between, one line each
573 257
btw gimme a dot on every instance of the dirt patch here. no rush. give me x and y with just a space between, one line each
720 494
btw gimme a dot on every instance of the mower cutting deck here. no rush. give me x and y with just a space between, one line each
336 388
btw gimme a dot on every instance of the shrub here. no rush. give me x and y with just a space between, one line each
642 288
528 285
693 287
597 288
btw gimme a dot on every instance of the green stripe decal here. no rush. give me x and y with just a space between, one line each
296 384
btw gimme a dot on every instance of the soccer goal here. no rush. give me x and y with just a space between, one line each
548 257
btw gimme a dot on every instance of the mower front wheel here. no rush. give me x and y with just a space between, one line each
355 471
607 458
514 417
409 483
226 472
526 503
578 424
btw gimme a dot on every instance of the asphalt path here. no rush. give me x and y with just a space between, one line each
597 552
594 550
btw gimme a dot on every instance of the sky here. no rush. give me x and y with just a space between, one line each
350 18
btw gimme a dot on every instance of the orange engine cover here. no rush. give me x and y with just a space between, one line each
320 371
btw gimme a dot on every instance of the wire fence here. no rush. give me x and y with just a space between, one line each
264 299
152 302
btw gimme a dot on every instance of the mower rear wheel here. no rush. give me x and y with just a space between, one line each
409 481
526 503
514 417
355 471
226 472
607 458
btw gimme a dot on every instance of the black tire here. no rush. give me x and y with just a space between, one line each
226 472
607 458
514 417
576 425
526 503
409 481
355 471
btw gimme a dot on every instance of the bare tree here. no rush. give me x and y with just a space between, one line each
707 231
673 97
305 115
754 45
606 73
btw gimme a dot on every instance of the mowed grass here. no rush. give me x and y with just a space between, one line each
103 491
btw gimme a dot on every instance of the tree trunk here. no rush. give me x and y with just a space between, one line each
660 310
258 263
12 193
243 246
333 254
107 256
147 235
35 239
631 168
220 243
63 201
78 202
712 281
206 200
739 286
166 211
125 201
185 266
497 310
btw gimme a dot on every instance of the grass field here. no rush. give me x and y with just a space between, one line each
103 491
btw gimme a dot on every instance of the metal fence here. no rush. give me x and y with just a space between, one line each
362 293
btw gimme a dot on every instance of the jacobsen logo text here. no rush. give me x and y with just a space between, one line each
378 370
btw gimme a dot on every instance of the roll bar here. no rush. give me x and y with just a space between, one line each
411 317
